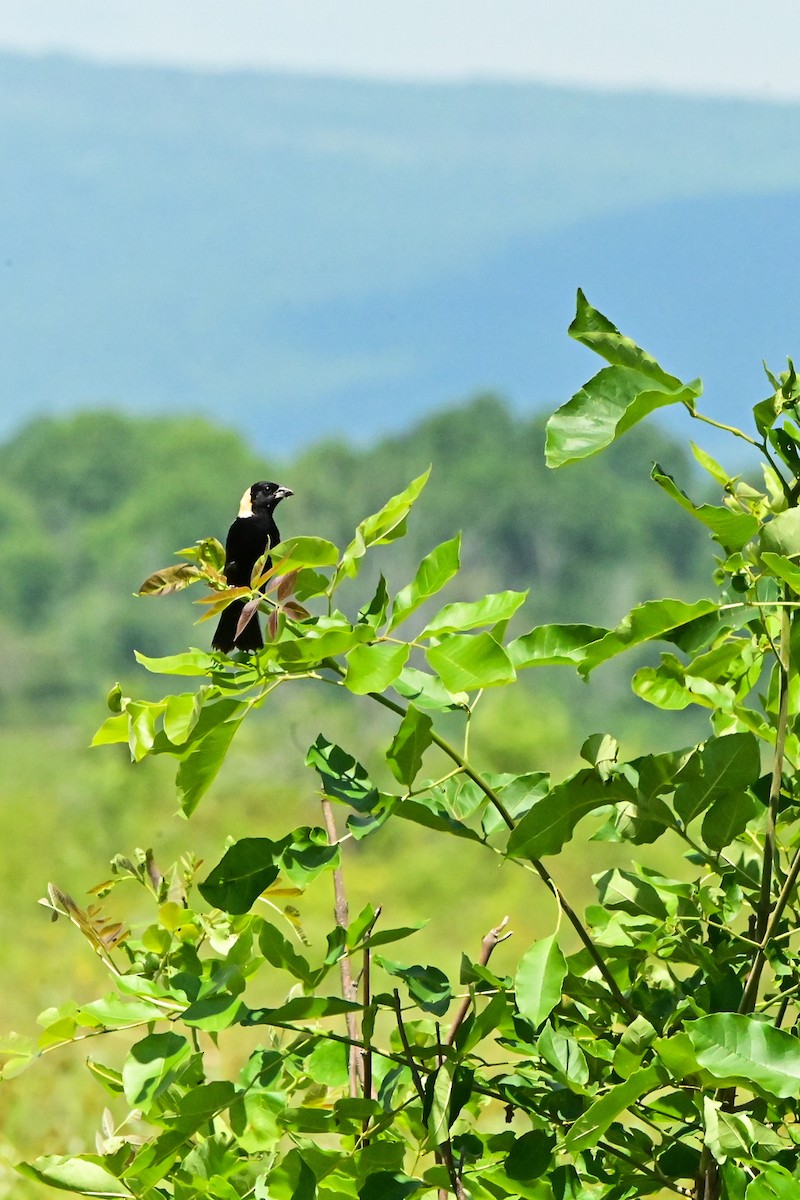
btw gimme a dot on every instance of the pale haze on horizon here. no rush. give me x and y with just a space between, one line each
717 47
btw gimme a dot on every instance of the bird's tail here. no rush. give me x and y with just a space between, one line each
225 638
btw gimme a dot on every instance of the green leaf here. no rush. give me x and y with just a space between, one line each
786 570
655 620
435 570
318 639
84 1174
591 1125
429 812
246 870
616 398
428 986
564 1054
192 662
550 823
114 730
717 473
540 975
731 529
280 953
530 1155
375 667
152 1066
342 776
388 1185
723 765
300 1008
465 662
727 818
181 715
742 1050
384 526
632 1046
298 552
427 691
409 744
374 613
200 764
554 645
781 535
456 618
773 1183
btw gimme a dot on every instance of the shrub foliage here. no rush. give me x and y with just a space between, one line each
646 1046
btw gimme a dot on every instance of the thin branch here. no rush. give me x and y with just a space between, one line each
782 662
409 1059
493 938
698 416
349 986
367 1059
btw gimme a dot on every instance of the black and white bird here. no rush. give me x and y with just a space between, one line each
252 533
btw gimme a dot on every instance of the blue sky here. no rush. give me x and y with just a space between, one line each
722 47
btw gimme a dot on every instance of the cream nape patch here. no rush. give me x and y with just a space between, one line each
246 505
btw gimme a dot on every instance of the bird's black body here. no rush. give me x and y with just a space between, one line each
252 533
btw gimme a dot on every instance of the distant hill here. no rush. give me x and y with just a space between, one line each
306 257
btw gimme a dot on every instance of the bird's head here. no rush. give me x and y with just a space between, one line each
262 497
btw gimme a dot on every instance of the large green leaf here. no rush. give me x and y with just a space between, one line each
619 396
466 661
409 744
425 690
374 667
587 646
591 1125
246 869
152 1066
774 1183
745 1051
540 975
388 1185
550 823
435 570
342 776
784 568
723 766
554 645
730 528
192 662
727 818
83 1174
200 764
455 618
781 535
298 552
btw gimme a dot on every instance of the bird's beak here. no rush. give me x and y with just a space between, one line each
283 492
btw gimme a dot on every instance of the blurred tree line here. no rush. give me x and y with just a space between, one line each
92 503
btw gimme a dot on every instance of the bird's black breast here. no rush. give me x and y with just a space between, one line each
248 538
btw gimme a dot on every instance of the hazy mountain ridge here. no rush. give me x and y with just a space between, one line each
310 255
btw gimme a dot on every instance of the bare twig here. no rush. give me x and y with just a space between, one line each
493 938
367 1060
349 986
